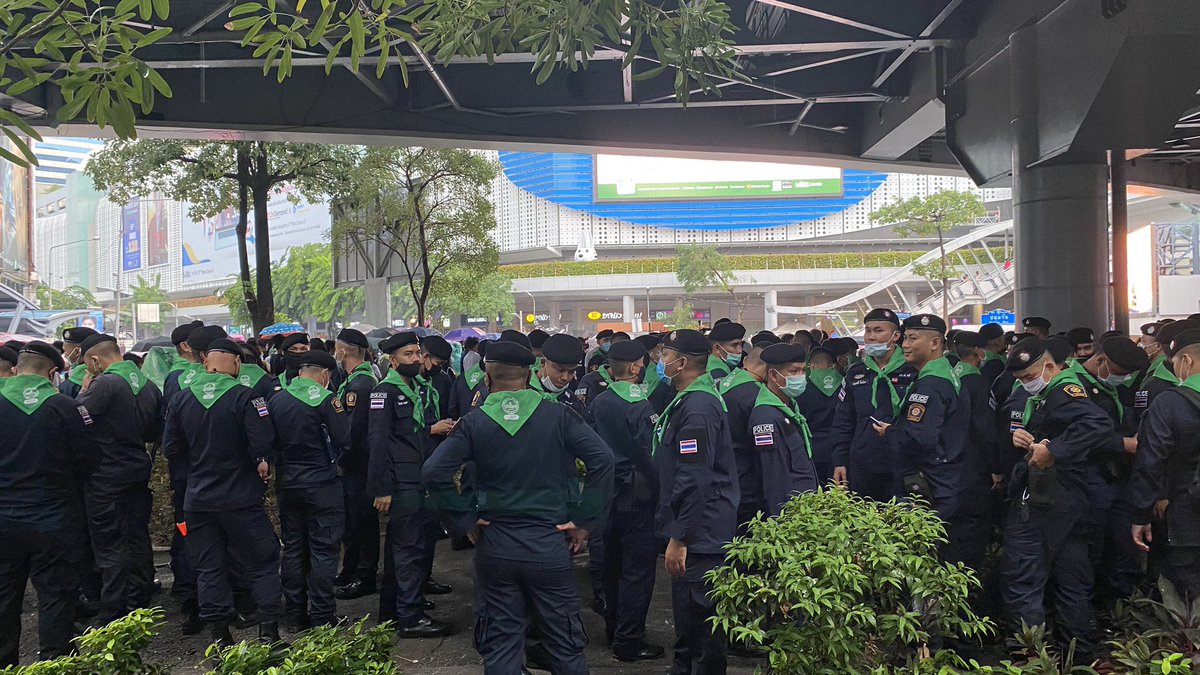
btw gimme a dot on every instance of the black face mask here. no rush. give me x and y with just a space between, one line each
291 363
434 370
409 369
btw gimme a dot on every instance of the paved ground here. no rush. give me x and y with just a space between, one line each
454 655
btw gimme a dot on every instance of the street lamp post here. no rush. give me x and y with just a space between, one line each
534 299
64 244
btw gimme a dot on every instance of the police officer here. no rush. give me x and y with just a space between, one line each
1038 326
726 353
398 447
624 419
434 385
818 403
930 434
596 381
467 384
45 455
739 391
983 467
537 340
220 434
1160 377
519 512
72 338
1166 482
252 374
698 498
1045 537
291 349
872 389
311 433
1083 342
125 405
994 349
360 561
782 448
561 355
188 363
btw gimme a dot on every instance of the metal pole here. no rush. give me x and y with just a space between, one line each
1120 241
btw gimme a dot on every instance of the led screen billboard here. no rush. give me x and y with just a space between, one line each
621 178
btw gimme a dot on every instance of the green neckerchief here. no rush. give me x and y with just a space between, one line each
283 380
511 409
27 392
208 388
630 392
739 376
941 368
827 380
962 369
78 372
537 364
308 391
895 362
1161 372
651 380
989 356
363 368
1064 376
703 383
768 398
249 374
405 388
1110 392
1192 383
605 374
128 371
433 397
178 364
189 374
715 364
473 375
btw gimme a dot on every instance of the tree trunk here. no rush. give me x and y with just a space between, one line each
243 169
264 314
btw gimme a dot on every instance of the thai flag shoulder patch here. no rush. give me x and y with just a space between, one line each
260 404
378 400
688 447
764 439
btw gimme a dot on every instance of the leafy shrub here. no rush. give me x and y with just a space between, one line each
327 650
838 584
1157 631
114 649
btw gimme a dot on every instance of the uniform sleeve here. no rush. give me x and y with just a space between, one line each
379 437
694 450
84 454
175 444
766 430
260 432
457 392
437 475
99 394
917 432
1087 427
338 423
1156 442
149 406
845 421
587 446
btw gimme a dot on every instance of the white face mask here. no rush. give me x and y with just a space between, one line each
1115 380
877 349
1035 387
549 385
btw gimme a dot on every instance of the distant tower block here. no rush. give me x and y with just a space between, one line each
586 250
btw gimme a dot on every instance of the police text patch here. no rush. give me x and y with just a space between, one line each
1141 399
919 398
916 412
85 415
764 429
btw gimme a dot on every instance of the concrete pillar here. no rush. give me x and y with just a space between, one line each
770 315
1060 215
628 309
556 313
379 302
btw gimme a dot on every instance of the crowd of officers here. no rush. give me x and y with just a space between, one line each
1080 454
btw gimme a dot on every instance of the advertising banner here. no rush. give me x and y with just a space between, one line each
157 232
131 236
639 179
15 218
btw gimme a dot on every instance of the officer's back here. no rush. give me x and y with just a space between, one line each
311 432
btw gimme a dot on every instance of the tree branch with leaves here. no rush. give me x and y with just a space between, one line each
701 266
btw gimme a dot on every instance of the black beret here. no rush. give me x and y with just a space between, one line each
780 354
690 342
621 335
317 344
1193 317
223 345
1151 329
563 349
724 332
1025 354
77 335
1167 321
765 338
516 337
1125 354
722 320
628 351
181 333
397 340
293 340
1059 348
1080 336
837 347
649 340
15 345
851 345
511 353
537 338
882 314
1109 333
353 337
1013 338
803 336
437 347
92 341
604 334
821 350
1036 322
8 355
969 338
200 338
1169 331
1185 339
482 347
45 351
319 359
991 331
925 322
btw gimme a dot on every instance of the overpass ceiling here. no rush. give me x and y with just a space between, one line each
829 80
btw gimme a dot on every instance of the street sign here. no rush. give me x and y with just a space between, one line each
148 312
1000 316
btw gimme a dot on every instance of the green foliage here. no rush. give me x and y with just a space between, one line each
839 584
682 317
689 39
304 287
73 297
146 293
460 292
704 266
234 299
86 49
430 207
114 649
330 650
1041 659
1154 631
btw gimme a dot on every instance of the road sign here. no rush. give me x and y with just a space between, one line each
148 312
1000 316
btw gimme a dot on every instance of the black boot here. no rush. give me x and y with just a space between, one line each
218 633
190 623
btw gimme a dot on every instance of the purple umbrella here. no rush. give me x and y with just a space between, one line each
460 334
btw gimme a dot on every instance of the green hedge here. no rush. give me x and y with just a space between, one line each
799 261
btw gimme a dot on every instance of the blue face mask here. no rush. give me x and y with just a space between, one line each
662 371
795 385
877 349
604 347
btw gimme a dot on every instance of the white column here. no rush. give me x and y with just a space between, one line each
628 308
770 315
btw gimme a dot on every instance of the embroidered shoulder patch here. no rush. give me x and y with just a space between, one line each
764 439
337 405
85 415
378 400
919 398
763 429
916 412
260 405
1075 391
351 399
689 447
